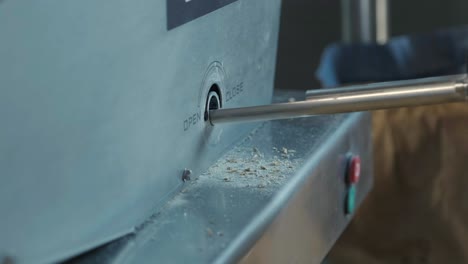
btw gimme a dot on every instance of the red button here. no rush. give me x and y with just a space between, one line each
354 171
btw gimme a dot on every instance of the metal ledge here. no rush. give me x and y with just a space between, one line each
278 197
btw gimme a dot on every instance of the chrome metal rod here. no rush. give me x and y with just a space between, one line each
437 90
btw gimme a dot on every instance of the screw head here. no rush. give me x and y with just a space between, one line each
6 260
186 175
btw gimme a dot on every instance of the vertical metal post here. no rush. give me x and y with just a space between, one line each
382 21
365 21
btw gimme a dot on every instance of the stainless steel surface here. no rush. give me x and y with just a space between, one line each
355 98
312 216
365 21
99 112
256 203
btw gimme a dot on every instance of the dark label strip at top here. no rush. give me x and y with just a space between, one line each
180 12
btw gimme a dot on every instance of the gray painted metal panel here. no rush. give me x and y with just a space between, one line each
254 207
96 98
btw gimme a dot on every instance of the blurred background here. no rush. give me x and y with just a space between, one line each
417 211
307 27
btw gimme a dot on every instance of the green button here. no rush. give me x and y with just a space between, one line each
351 199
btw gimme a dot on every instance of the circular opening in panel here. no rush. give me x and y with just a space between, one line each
213 100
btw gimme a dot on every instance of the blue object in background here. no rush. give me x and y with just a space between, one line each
405 57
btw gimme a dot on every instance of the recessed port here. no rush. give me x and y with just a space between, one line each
213 100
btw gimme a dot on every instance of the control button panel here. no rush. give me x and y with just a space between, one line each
354 169
353 173
350 200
